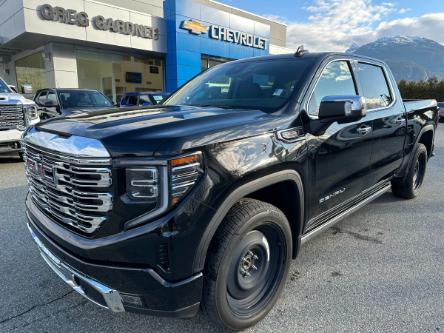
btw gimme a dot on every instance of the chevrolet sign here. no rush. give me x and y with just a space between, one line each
225 34
195 27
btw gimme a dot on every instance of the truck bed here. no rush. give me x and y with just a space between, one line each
423 104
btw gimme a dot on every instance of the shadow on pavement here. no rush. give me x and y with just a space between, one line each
10 159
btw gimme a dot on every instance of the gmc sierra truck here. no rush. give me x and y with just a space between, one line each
203 201
16 113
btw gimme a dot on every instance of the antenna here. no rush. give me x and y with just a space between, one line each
300 51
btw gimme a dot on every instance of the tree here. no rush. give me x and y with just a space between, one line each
430 89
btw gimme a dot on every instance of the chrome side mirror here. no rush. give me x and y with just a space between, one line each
343 109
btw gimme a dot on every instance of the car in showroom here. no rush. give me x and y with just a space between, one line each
56 102
202 202
132 99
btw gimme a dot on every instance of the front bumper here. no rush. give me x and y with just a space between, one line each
111 298
10 141
119 289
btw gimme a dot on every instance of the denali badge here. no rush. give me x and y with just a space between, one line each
331 196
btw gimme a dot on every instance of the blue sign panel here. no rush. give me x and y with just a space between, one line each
195 29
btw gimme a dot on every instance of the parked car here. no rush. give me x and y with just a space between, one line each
63 102
142 99
16 113
205 202
441 111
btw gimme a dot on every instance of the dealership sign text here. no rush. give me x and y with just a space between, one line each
81 19
225 34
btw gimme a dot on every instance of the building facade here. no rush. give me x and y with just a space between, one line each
124 46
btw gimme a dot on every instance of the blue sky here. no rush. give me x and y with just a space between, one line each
308 20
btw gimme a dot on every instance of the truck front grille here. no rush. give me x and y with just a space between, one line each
71 190
11 116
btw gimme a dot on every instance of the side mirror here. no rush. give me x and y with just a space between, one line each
343 109
13 88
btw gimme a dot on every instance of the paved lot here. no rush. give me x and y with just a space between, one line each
381 269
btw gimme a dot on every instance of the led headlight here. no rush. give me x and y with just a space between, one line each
142 184
31 112
184 174
163 185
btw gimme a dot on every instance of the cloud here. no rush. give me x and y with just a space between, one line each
404 10
428 26
334 25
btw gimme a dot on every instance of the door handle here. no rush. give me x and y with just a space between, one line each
364 130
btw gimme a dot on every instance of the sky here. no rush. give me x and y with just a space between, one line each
335 25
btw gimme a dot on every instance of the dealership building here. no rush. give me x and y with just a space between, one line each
125 46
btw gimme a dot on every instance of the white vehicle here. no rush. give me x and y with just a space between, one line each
16 113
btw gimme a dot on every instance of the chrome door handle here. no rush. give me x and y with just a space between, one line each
364 130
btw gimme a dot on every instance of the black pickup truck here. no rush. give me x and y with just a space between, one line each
204 201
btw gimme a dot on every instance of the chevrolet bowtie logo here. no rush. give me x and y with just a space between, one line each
195 27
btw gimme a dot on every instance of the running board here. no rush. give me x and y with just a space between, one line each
313 233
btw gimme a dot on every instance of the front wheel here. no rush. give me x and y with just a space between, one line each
247 265
408 187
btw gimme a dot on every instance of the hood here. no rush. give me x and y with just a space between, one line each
84 110
14 98
164 130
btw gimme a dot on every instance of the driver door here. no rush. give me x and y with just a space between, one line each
340 159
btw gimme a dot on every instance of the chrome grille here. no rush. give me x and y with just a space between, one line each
71 190
11 116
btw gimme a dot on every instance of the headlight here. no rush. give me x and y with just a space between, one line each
143 184
31 112
160 187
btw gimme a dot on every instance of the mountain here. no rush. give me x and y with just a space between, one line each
410 58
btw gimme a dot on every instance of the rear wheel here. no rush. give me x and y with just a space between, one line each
247 264
408 187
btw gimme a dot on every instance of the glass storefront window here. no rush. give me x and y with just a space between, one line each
115 75
31 73
208 62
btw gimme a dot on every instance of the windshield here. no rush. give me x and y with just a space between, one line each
83 99
4 89
266 85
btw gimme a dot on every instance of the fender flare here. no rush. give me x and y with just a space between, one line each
427 128
242 192
408 161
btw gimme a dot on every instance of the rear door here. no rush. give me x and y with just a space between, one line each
341 156
387 111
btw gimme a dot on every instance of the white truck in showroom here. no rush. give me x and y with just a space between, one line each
16 113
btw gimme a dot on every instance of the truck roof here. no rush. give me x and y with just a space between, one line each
317 55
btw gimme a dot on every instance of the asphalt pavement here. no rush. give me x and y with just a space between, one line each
379 270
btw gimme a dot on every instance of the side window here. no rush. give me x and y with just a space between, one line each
52 97
374 86
124 100
144 100
41 98
336 80
132 100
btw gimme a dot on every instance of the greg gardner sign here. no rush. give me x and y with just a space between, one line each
81 19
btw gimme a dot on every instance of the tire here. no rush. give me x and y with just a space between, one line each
240 288
409 186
